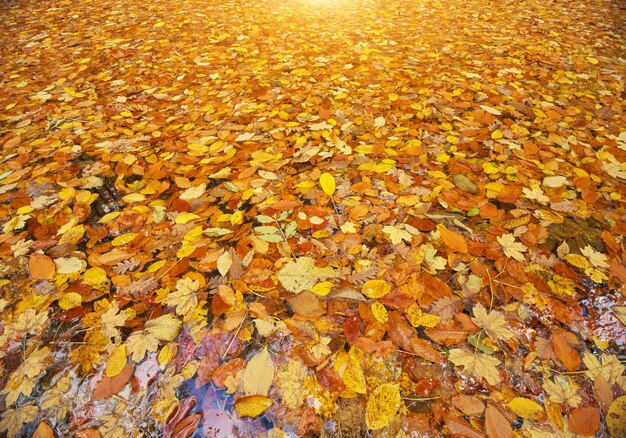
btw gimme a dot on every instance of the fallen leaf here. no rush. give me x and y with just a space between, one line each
327 181
41 266
476 365
252 405
382 406
259 374
496 424
584 421
526 408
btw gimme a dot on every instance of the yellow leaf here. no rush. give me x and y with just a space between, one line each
380 312
123 239
348 366
95 276
116 361
183 218
497 134
322 288
159 24
393 97
73 235
258 374
164 328
490 168
382 406
327 181
70 300
526 408
577 261
253 405
109 217
237 218
428 320
139 343
185 251
166 354
376 288
477 365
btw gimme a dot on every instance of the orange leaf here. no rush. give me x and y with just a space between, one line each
453 239
43 431
584 421
41 267
109 386
568 356
496 424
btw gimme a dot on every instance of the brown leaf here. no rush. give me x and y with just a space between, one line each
109 386
568 356
584 421
459 426
496 424
603 392
425 349
41 266
448 334
307 304
469 405
400 331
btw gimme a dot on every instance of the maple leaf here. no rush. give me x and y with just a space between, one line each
139 343
493 323
13 419
302 274
477 365
611 369
57 401
22 380
536 194
397 234
164 328
107 318
596 258
512 248
434 262
563 390
184 297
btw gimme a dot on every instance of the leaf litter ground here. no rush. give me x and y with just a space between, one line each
312 217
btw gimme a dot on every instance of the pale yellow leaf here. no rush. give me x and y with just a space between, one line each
259 374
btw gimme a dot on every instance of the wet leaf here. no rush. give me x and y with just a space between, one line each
382 406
